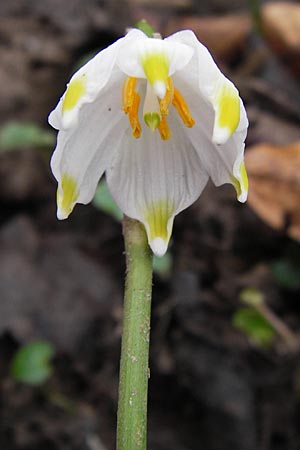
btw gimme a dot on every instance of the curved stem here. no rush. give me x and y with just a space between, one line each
134 372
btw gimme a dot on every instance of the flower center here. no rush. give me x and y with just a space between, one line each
155 109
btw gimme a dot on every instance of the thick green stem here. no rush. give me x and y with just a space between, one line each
134 371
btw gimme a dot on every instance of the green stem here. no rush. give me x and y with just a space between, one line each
134 372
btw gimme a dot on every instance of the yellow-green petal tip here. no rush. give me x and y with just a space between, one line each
158 220
159 246
240 183
67 194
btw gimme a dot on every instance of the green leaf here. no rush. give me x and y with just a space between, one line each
31 364
162 265
252 296
103 201
255 326
287 274
144 26
19 135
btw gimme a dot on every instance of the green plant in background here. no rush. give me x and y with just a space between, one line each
163 265
104 201
287 273
32 363
251 320
255 326
19 135
260 323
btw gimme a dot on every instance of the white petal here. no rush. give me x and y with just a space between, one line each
87 83
220 92
54 118
224 163
159 246
82 154
152 180
131 55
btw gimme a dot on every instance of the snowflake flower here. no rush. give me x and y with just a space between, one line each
159 118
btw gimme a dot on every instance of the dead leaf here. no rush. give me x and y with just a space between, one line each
281 27
274 185
224 36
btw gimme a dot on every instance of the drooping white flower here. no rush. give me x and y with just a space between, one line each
159 118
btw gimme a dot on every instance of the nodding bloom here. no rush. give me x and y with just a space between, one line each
159 118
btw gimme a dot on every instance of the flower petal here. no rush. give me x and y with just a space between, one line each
82 154
86 84
152 180
154 59
224 163
214 86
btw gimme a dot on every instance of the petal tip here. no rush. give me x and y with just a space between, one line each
159 246
61 214
66 197
240 180
243 196
53 119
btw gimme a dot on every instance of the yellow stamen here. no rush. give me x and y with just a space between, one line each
164 129
168 98
182 109
134 117
128 93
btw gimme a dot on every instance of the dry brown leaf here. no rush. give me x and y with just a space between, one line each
281 27
274 185
224 36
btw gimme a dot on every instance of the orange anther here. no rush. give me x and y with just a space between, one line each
165 103
131 102
128 93
182 108
134 116
164 129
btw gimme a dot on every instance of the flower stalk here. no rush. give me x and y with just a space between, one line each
134 371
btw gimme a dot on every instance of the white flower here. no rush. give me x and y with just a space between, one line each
159 118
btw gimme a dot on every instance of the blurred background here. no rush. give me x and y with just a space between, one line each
225 339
